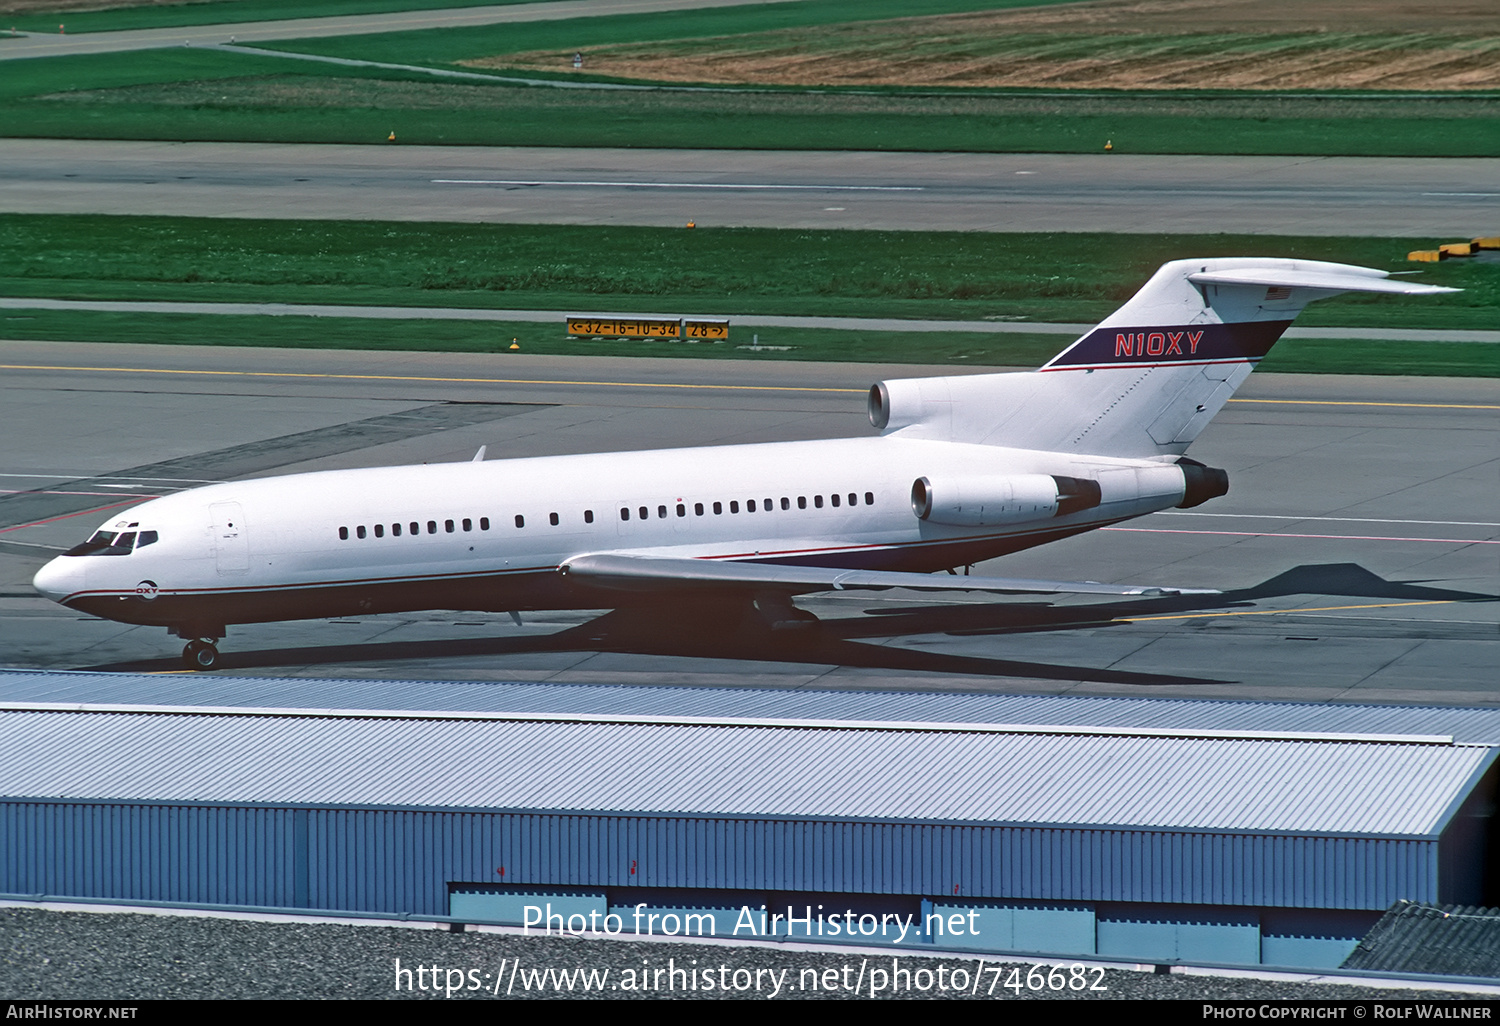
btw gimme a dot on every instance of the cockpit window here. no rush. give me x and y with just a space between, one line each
100 540
108 543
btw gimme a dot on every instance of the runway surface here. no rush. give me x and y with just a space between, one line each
1357 547
1397 197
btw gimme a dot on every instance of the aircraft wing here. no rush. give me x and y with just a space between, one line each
627 572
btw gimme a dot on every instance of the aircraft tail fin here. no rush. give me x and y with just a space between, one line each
1150 377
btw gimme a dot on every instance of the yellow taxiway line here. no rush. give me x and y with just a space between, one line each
1280 612
636 384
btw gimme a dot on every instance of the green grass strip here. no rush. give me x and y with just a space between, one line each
1066 277
193 94
956 348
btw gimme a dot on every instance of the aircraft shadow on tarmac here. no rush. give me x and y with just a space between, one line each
841 642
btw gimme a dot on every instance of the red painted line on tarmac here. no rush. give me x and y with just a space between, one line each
97 509
1335 537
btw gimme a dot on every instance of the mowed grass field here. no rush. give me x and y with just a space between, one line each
933 275
1108 44
956 348
910 275
197 94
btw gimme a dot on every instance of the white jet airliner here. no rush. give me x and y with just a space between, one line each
964 469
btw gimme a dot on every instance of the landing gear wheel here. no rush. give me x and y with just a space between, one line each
200 655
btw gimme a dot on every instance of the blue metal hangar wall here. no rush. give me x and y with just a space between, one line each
1146 830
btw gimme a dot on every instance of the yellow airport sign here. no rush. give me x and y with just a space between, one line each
696 329
625 327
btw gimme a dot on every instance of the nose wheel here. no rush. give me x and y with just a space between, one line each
200 654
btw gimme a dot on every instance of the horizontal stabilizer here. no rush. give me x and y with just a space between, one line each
632 572
1332 281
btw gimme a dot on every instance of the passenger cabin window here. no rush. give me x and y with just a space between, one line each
552 519
645 513
520 520
432 527
588 516
718 508
734 506
343 534
468 524
834 498
801 502
786 503
380 530
769 506
624 513
749 505
484 523
416 528
681 510
448 526
359 532
869 498
818 501
395 530
661 512
697 509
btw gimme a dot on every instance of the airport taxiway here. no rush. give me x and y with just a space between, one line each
1358 548
1382 196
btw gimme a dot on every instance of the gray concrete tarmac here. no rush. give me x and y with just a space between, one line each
1398 197
1357 548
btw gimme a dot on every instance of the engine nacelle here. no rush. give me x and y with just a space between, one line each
1016 499
1202 483
907 401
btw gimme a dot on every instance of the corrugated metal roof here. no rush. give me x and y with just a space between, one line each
1220 784
1480 725
1448 940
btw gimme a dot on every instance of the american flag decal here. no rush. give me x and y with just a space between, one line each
1278 292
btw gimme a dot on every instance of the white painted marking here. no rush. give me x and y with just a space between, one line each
84 476
1461 194
677 185
1346 520
834 208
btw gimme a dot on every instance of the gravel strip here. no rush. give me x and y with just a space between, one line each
71 955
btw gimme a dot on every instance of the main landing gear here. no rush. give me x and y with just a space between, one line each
202 650
200 654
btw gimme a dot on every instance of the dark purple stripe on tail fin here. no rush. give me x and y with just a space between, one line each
1182 344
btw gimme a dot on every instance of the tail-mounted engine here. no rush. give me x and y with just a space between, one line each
1017 499
1201 483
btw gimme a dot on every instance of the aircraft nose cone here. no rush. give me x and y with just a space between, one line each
60 578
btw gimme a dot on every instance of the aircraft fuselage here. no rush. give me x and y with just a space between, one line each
492 535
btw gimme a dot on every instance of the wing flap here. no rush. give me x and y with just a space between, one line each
626 572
